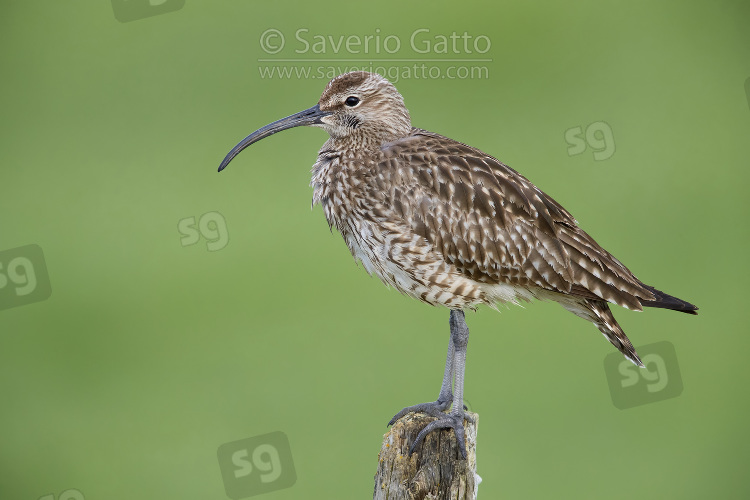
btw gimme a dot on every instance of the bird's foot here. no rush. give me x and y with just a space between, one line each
453 420
435 409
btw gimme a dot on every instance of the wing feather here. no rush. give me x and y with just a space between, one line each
492 223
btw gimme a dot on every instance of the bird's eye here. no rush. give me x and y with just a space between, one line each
351 101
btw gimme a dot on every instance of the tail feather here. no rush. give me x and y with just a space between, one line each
597 311
666 301
607 324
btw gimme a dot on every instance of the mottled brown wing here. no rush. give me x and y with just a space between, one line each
492 223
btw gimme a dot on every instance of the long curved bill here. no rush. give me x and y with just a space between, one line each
310 116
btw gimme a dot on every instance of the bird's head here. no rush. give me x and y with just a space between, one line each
358 110
364 107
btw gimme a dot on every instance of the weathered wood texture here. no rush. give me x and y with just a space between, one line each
435 471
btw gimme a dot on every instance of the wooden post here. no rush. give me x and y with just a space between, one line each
435 471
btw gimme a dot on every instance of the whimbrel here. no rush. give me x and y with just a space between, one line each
449 225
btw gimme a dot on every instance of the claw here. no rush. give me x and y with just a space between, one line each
450 421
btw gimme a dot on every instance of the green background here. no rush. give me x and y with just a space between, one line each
149 355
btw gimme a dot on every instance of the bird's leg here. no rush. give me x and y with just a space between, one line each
454 368
455 418
445 397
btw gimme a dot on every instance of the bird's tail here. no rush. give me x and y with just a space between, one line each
666 301
607 324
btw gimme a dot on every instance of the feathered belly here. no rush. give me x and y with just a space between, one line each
411 266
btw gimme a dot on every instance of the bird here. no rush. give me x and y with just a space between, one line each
449 225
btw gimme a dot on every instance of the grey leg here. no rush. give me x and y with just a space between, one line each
446 392
460 337
454 369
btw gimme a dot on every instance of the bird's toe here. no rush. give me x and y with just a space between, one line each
435 409
453 421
